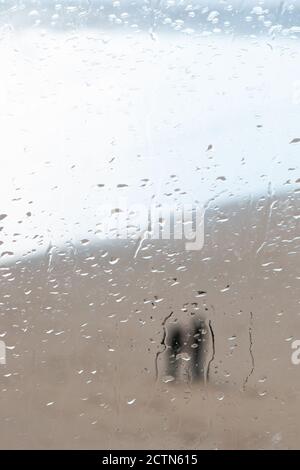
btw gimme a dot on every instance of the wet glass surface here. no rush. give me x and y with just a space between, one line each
149 224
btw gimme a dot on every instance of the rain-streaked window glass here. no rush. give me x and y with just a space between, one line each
149 224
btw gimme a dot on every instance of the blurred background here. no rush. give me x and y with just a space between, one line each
164 104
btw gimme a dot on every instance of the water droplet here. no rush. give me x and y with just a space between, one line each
168 378
131 402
